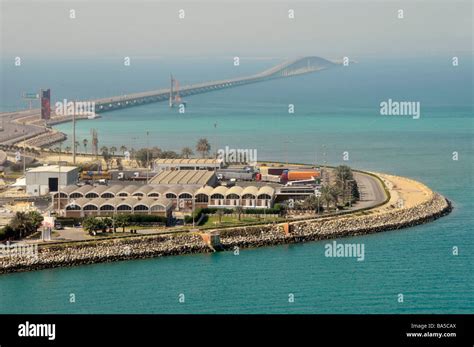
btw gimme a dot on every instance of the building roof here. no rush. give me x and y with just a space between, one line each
207 190
235 190
197 177
267 190
250 190
191 161
52 169
219 190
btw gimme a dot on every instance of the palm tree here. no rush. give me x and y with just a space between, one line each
113 149
35 219
326 196
85 142
104 149
21 223
76 145
123 149
203 147
186 152
67 149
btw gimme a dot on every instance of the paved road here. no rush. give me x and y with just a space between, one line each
370 189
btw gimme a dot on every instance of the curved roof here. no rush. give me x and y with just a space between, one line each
84 189
145 201
250 190
96 202
98 189
266 190
158 189
128 201
219 190
128 189
114 202
78 202
69 189
113 189
144 189
207 190
161 202
235 190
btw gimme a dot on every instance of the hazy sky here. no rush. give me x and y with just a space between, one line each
107 28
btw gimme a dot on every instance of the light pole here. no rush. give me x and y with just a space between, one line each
74 134
59 180
317 193
147 156
192 210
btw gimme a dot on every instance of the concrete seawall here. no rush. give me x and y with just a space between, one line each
390 218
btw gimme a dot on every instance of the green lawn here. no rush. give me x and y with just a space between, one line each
229 220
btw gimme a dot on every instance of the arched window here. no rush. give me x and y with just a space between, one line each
75 196
265 196
217 196
122 194
106 208
202 198
73 208
90 208
158 208
140 208
107 196
154 195
170 195
248 196
185 196
92 195
124 208
233 196
138 194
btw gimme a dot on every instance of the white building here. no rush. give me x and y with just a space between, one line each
45 179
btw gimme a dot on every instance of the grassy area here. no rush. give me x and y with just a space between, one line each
230 220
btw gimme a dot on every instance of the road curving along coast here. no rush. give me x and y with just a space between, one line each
409 203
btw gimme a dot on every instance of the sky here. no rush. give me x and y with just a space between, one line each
252 29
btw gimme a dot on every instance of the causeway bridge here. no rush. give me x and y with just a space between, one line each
27 124
289 68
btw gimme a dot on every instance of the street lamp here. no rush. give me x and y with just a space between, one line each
317 194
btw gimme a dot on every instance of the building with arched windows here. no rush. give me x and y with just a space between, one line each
158 200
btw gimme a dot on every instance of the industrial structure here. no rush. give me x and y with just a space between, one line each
188 164
49 178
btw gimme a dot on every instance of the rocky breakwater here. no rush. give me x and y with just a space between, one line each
326 228
388 217
104 251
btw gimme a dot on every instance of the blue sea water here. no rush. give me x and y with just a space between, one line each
335 111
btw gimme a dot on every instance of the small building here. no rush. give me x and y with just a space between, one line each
49 178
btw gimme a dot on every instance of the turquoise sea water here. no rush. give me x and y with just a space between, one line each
335 111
